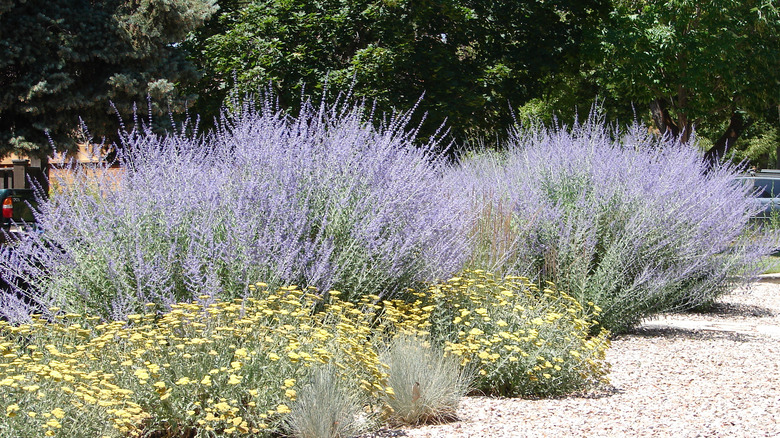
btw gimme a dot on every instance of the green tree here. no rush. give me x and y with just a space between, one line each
61 60
471 59
713 64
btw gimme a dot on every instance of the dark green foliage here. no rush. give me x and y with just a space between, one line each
65 59
710 64
676 63
760 142
471 59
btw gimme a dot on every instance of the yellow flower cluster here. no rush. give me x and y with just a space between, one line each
59 367
227 367
521 340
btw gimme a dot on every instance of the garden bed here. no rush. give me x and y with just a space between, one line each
665 381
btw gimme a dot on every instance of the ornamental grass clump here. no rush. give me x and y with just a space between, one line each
637 225
324 199
327 407
427 384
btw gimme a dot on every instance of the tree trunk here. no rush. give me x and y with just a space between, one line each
777 150
663 121
737 126
777 156
683 124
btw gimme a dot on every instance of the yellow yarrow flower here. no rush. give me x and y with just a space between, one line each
58 413
11 410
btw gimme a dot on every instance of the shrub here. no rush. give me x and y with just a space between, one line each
271 363
634 224
225 368
519 341
323 199
427 385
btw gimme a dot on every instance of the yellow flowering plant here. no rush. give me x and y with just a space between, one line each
212 368
208 368
518 339
50 386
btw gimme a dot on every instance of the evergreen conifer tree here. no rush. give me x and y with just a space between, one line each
62 60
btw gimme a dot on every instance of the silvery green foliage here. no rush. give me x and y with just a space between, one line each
328 407
324 199
633 224
427 385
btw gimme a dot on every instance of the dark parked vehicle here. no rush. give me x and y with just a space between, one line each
17 202
17 214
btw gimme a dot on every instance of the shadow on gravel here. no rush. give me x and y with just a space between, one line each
385 433
603 392
683 333
732 309
769 279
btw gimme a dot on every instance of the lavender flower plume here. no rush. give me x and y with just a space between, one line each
629 222
324 199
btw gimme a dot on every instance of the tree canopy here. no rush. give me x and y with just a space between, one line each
714 64
479 64
61 60
471 59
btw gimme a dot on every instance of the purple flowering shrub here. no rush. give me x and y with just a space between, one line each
632 224
324 199
636 225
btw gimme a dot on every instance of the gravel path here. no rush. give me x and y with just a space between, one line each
683 375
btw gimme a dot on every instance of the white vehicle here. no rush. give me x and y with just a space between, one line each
767 185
